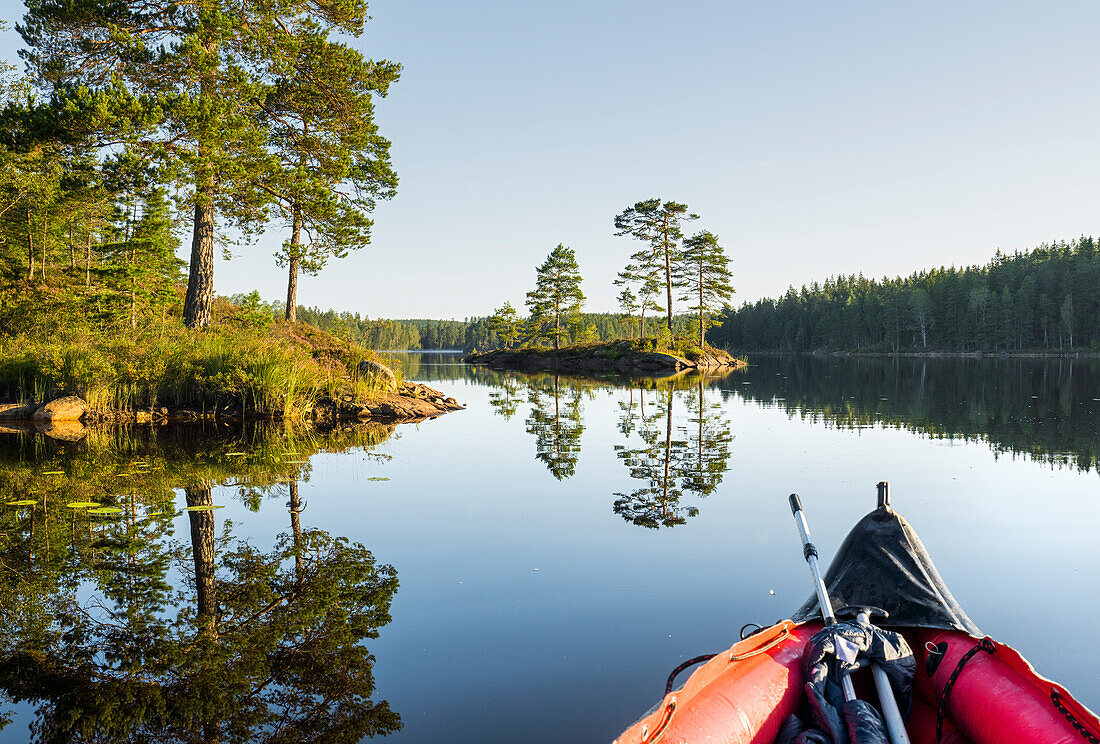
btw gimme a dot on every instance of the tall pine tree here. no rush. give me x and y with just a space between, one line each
658 226
704 274
331 163
557 293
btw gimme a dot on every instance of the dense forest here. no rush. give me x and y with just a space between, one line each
427 334
1046 299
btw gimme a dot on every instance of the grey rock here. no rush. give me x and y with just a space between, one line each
378 375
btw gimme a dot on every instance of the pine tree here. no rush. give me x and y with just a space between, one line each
657 225
703 272
183 83
628 303
504 322
557 294
332 165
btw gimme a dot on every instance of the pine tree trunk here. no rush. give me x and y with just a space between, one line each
88 261
702 333
292 279
668 287
202 548
30 246
296 529
200 282
45 220
133 284
668 450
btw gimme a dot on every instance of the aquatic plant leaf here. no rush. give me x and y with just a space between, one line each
81 504
106 510
204 507
23 502
53 472
378 478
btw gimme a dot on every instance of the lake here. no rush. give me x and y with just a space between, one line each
531 568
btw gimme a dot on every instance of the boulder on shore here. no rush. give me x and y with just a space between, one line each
69 408
378 375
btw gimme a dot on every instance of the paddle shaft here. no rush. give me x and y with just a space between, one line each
810 551
895 724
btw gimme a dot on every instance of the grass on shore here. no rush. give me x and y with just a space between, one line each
49 348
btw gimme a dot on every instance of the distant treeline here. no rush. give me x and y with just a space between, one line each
1046 299
469 334
429 334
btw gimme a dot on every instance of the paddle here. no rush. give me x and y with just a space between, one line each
810 551
894 724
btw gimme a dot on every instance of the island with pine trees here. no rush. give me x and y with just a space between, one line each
696 269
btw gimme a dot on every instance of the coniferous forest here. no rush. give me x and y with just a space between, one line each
1043 300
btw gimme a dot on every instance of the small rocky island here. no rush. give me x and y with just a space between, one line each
630 356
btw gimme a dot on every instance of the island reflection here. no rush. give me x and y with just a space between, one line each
667 467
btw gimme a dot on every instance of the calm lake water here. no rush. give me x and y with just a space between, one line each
556 548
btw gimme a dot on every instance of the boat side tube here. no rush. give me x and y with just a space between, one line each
741 696
996 695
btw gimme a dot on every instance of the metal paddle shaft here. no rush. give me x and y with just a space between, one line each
810 552
891 714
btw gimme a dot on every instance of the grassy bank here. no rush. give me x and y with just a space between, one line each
52 344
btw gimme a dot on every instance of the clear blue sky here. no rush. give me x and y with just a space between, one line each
813 138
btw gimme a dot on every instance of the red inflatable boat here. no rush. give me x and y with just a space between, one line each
966 689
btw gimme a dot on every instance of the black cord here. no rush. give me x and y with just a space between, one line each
986 644
682 667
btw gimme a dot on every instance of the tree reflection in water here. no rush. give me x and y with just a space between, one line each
118 631
557 424
696 461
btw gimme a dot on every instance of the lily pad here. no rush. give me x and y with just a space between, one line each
81 504
204 507
296 462
235 454
106 510
23 502
53 472
378 478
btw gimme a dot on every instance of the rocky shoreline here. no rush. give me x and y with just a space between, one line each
68 418
619 357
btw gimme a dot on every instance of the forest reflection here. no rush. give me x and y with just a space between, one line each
1044 409
116 628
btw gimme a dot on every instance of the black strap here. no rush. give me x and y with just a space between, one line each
1056 698
685 665
986 644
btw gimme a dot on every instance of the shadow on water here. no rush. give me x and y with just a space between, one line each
128 618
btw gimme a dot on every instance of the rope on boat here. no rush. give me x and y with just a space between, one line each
771 643
1056 698
685 665
986 644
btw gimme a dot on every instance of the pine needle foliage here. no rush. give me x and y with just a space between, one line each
557 294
